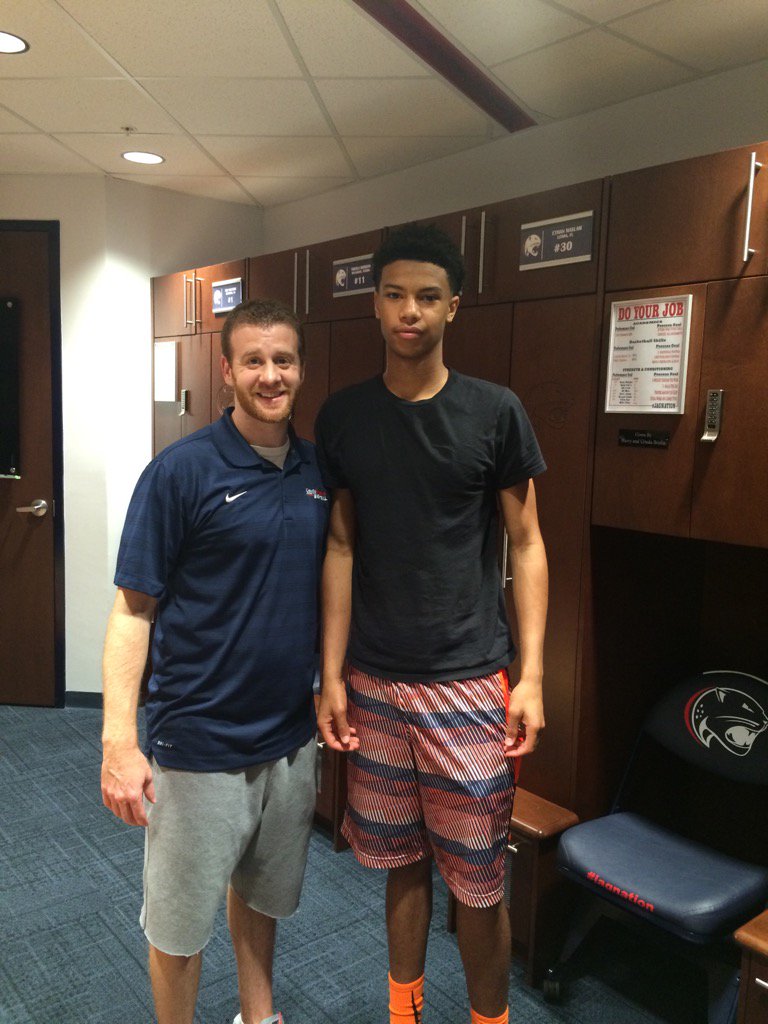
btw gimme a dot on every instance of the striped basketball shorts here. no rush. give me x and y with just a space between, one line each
430 779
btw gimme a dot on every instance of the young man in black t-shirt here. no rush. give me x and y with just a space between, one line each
420 461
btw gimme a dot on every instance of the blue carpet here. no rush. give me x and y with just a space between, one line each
72 951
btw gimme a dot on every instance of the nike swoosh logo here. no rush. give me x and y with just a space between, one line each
231 497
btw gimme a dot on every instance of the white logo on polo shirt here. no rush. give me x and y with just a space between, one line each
232 497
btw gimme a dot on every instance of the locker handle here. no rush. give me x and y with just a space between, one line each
306 288
184 396
753 169
187 321
761 983
504 561
481 264
197 319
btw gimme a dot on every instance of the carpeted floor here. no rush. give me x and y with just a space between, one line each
71 951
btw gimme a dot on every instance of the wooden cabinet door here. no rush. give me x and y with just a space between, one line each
479 341
276 276
314 390
552 372
501 279
221 393
687 221
357 352
207 320
194 383
730 490
645 488
173 298
318 303
463 228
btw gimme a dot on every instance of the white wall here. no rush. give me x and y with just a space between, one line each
711 114
115 236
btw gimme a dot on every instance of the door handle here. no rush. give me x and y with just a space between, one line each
37 508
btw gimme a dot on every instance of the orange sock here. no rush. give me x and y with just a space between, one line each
406 1001
478 1018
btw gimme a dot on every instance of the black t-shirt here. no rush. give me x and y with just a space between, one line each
427 602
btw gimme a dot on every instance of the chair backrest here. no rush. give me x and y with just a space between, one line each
700 767
717 721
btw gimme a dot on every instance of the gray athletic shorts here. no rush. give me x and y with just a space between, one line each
247 828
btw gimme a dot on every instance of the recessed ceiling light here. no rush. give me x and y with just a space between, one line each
10 43
144 158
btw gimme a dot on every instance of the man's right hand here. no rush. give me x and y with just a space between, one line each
126 778
332 717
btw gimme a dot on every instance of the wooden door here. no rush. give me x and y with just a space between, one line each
314 390
646 488
687 221
278 275
31 589
479 341
205 278
502 280
318 302
357 352
195 383
173 304
553 367
730 489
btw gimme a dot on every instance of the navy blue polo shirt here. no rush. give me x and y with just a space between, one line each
231 546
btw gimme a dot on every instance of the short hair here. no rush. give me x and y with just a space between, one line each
425 243
260 313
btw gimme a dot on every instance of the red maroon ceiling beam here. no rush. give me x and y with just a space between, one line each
420 36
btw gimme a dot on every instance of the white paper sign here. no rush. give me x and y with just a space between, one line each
648 356
165 371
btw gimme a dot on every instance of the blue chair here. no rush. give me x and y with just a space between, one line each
684 851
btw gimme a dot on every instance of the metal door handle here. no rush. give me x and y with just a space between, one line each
761 983
753 169
184 397
37 508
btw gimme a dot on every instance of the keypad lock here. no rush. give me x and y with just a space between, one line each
713 414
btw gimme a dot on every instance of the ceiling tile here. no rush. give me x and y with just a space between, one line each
705 34
337 40
498 30
37 154
10 123
236 38
83 105
379 154
601 11
181 154
401 107
207 187
586 72
56 46
273 191
279 156
240 106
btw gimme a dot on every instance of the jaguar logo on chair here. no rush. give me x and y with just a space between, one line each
730 717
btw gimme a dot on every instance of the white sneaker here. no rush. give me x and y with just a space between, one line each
276 1018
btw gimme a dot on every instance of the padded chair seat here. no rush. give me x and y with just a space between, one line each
690 890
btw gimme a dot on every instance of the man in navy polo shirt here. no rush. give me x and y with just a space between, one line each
222 544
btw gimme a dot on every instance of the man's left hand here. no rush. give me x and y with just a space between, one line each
525 720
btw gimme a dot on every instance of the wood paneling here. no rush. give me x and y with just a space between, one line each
275 276
649 488
479 342
553 366
357 352
314 390
730 490
686 221
172 304
207 320
502 279
319 269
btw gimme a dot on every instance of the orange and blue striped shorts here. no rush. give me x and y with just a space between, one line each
430 779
